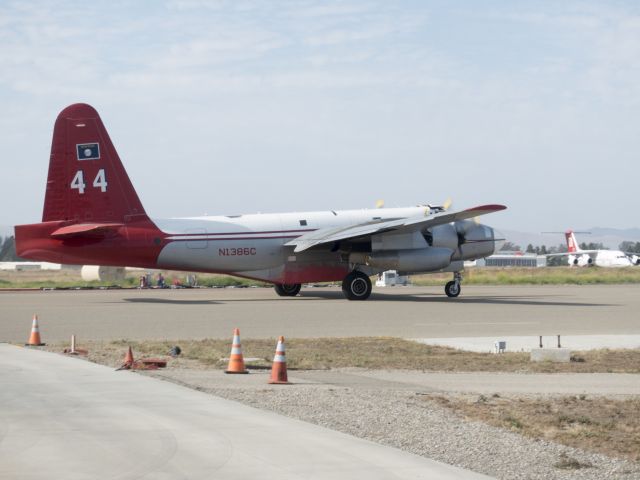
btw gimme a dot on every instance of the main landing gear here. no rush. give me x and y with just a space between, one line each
356 286
287 289
452 288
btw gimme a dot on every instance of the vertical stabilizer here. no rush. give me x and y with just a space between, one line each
572 243
87 181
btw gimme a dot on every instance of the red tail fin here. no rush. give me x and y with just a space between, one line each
572 244
87 182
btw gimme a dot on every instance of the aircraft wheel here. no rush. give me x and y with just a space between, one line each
452 289
287 289
356 286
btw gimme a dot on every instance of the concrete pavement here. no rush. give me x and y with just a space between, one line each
407 312
67 418
531 342
516 383
609 384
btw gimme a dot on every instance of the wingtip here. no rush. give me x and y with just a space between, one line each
493 207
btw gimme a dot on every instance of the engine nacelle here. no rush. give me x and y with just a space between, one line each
417 260
469 239
585 261
580 260
635 259
443 236
477 241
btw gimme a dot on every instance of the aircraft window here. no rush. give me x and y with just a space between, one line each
303 223
234 216
377 218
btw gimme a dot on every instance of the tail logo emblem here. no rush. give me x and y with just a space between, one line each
88 151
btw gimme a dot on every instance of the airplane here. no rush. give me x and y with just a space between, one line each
92 216
601 258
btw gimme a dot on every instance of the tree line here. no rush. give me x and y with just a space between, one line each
8 250
626 246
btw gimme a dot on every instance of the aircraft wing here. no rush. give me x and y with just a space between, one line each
363 230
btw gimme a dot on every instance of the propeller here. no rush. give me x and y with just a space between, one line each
438 208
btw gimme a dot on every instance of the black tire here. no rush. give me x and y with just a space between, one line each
452 289
356 286
287 289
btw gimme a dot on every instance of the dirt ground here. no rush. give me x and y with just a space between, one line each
594 423
610 426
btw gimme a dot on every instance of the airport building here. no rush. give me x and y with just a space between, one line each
513 259
24 266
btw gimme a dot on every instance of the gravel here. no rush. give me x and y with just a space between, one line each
407 419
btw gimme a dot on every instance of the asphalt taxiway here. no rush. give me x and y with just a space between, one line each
63 417
408 312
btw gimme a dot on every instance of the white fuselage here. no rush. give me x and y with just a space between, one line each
254 245
601 258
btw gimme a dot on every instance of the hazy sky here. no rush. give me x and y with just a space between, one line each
239 107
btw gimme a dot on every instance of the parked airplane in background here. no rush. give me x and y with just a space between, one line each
601 258
92 215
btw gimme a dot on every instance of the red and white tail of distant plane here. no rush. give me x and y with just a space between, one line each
601 258
93 216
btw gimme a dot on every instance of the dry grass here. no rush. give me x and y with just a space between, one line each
608 426
71 278
377 353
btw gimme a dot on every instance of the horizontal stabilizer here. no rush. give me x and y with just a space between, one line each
87 230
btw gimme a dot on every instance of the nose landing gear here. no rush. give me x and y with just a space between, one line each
453 288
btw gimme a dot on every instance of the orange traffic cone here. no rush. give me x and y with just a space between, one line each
34 339
128 361
236 360
279 368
